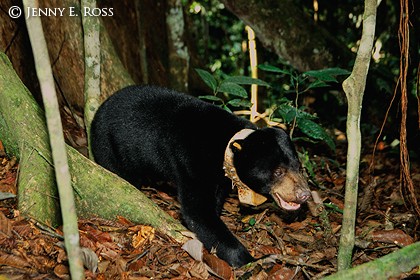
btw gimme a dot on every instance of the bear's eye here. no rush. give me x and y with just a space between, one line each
279 172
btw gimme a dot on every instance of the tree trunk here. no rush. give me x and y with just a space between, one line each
179 58
64 37
98 192
386 267
283 27
354 87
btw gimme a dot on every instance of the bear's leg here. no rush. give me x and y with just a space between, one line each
200 215
222 191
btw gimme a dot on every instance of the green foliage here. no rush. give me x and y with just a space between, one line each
220 39
218 36
333 207
309 165
286 109
235 94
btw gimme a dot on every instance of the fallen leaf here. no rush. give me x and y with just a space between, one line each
13 261
302 237
178 270
283 273
199 270
144 235
194 248
218 267
90 259
62 271
5 225
395 236
268 250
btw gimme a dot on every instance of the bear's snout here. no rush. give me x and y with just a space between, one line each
290 190
303 195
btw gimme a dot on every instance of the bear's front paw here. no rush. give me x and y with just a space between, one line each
236 257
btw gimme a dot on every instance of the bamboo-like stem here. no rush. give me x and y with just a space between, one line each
254 73
58 149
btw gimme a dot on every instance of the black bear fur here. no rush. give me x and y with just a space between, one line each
151 134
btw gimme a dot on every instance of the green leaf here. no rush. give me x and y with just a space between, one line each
207 78
271 68
240 103
334 207
233 89
317 84
211 98
287 112
244 80
328 74
252 221
303 114
315 131
227 108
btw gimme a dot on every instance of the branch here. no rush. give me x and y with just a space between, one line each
386 267
52 113
354 87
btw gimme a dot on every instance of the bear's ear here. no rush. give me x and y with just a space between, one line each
236 146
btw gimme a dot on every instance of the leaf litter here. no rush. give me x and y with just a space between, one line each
302 245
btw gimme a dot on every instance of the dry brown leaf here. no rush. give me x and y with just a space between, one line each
232 208
262 275
284 273
13 261
178 270
96 235
218 266
395 236
330 253
145 234
165 197
302 237
103 266
62 271
297 225
24 228
107 253
136 265
268 250
326 254
61 256
316 257
5 225
199 270
124 221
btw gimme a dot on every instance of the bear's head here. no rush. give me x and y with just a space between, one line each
267 162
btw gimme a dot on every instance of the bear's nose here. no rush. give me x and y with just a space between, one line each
303 195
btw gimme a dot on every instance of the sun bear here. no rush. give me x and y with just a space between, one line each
149 134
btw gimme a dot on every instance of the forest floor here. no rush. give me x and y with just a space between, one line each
304 244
